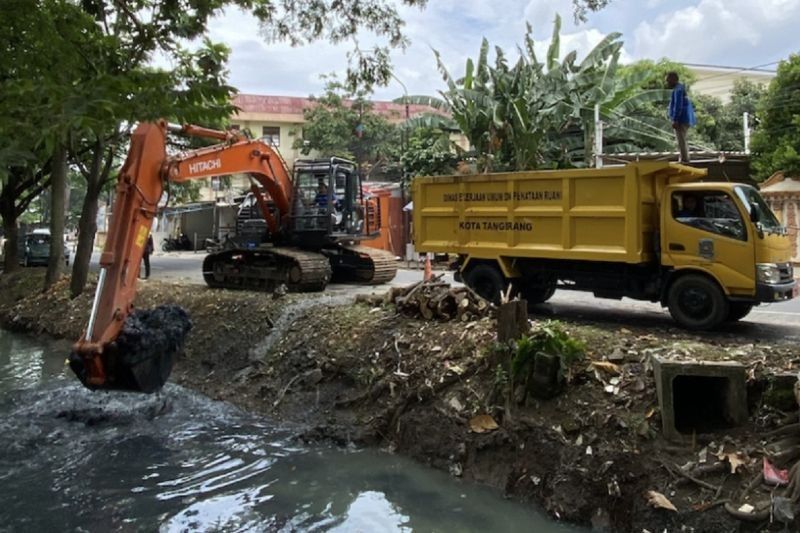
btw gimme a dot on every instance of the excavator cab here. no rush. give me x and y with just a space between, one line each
327 204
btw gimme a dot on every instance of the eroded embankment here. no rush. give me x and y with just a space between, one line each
356 373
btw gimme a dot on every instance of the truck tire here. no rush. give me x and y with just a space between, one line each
739 310
538 295
487 281
697 303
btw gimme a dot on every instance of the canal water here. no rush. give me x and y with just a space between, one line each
72 460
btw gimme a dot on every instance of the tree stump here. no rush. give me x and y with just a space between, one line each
512 320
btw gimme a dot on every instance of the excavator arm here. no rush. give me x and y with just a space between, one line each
102 358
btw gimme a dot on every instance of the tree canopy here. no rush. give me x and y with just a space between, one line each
76 75
344 124
582 7
776 142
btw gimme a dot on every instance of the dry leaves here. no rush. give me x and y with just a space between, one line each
607 366
482 424
735 460
659 501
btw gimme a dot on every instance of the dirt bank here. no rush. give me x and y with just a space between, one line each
357 373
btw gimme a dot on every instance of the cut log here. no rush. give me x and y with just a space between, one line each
425 311
434 299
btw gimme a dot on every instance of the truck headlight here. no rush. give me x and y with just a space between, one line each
768 273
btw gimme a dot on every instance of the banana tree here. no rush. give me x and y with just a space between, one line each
538 113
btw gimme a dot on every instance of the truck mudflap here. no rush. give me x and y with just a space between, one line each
776 293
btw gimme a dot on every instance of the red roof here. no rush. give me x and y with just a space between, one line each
294 105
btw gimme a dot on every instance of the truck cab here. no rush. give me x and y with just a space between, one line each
727 233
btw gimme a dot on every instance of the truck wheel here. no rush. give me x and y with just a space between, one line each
696 302
487 281
538 295
738 310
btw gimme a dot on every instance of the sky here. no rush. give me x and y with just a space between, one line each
740 33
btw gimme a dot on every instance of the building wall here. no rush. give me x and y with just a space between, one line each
289 132
718 81
787 209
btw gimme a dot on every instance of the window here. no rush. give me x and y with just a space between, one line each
235 127
763 215
271 135
711 211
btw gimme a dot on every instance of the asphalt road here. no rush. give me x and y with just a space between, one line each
767 322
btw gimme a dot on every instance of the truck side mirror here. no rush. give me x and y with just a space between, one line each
754 212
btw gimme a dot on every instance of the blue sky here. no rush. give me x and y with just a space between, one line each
740 33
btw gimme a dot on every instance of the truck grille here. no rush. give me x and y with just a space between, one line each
786 270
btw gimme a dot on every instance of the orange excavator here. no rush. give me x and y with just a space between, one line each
315 221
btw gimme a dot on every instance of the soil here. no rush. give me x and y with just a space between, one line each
363 374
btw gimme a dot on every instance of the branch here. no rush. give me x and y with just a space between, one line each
26 201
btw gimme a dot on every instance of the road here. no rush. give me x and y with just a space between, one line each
771 321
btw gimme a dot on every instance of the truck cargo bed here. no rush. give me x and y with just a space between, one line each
607 214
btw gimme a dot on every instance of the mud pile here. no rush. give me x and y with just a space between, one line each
142 356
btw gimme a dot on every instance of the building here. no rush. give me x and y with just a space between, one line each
279 121
783 196
714 80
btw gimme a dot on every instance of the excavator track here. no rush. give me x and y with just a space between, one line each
363 264
265 269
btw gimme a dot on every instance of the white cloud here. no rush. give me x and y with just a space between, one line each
721 31
731 32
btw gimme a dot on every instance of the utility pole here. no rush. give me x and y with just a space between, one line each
746 122
598 138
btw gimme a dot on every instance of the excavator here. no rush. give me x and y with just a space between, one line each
314 221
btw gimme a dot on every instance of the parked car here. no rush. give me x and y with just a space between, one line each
35 248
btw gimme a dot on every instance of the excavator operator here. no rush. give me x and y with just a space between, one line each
321 199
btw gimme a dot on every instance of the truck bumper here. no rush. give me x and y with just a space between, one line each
776 293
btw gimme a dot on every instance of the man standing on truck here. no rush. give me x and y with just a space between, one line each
681 113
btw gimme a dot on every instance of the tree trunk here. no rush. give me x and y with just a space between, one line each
11 233
87 225
87 228
58 190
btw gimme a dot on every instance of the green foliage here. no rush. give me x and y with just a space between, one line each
549 337
582 7
651 74
344 124
79 70
776 143
429 153
540 114
500 377
721 125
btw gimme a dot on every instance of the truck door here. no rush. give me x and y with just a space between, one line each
706 229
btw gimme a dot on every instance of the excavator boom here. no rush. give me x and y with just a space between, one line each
96 357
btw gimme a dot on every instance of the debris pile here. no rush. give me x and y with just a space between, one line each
435 299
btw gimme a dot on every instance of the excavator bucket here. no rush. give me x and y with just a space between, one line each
140 359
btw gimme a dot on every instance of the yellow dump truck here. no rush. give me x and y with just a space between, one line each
650 231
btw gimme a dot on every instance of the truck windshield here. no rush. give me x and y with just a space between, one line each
752 200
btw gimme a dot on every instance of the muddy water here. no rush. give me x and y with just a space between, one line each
75 460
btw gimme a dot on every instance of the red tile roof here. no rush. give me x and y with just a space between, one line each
294 105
